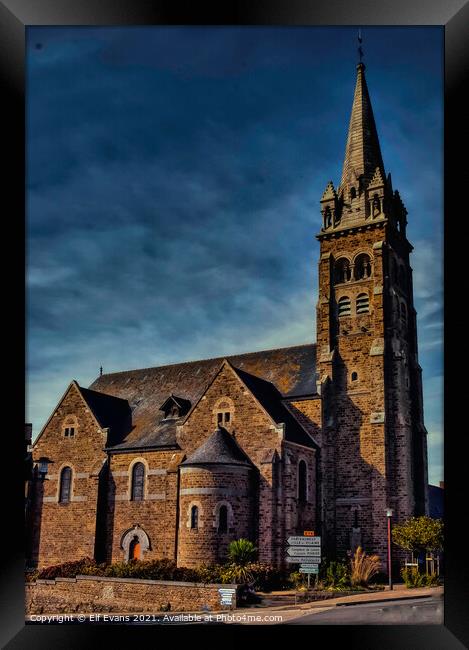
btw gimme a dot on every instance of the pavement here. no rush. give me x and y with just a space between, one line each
399 592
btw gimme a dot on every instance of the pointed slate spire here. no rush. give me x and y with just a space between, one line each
362 152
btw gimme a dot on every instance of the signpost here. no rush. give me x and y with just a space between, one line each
305 550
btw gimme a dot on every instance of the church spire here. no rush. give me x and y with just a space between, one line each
362 152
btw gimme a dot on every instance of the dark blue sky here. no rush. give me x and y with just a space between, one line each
173 184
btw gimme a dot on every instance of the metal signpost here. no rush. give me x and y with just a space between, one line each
305 550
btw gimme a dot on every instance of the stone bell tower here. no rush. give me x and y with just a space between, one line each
374 452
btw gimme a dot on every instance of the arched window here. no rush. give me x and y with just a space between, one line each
403 309
363 303
354 376
134 549
376 205
138 480
344 306
65 485
327 217
302 481
342 271
353 193
194 517
362 267
223 519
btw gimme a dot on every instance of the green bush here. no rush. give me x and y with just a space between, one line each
335 575
413 578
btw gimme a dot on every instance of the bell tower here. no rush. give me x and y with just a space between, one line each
374 451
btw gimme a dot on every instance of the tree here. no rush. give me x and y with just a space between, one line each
419 534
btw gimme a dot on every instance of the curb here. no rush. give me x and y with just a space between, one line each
383 600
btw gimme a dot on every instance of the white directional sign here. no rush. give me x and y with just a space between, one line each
310 564
226 596
299 560
304 551
304 541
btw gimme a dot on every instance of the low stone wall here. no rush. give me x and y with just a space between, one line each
86 594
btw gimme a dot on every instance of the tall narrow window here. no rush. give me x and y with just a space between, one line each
223 519
65 485
194 517
363 303
302 481
138 480
344 306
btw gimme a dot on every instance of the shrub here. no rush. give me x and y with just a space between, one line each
363 567
242 552
267 577
297 579
335 575
413 578
67 569
237 573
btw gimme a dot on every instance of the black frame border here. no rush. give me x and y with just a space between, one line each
453 15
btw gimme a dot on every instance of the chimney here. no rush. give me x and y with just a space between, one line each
442 485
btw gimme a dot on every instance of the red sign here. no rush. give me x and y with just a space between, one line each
308 533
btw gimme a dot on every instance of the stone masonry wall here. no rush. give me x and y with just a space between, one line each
156 514
256 435
85 594
64 532
208 489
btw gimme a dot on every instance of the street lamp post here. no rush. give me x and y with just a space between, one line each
389 516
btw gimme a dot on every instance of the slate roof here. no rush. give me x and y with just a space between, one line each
291 370
219 449
110 411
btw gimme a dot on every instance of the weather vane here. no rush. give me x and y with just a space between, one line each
360 40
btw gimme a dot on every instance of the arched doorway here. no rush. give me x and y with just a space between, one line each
134 549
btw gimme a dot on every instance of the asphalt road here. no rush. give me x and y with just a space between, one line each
420 611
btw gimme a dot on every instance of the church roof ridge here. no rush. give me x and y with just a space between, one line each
195 361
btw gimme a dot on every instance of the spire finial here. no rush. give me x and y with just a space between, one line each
100 371
360 40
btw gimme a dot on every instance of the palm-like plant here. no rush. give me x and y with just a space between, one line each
241 552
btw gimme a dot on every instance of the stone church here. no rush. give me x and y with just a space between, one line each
177 461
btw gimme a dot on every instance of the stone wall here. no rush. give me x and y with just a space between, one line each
86 594
63 532
156 513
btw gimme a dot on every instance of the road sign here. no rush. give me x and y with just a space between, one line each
309 569
300 560
304 541
226 596
308 533
307 564
312 551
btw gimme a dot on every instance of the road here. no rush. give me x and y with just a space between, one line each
410 611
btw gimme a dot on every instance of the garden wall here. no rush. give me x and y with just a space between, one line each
86 594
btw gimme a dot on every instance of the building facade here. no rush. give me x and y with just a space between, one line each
177 461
